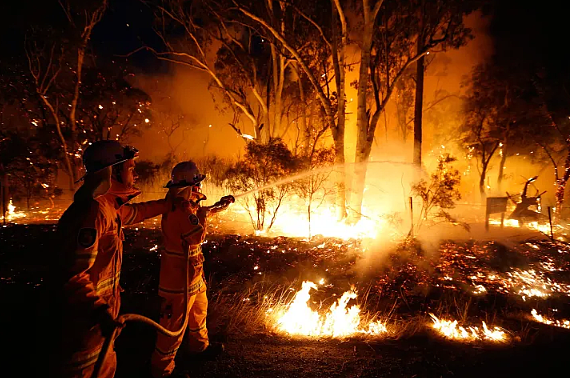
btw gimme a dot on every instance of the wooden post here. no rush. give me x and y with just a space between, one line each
411 217
502 220
3 203
550 222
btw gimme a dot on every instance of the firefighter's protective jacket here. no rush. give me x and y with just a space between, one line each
183 231
89 266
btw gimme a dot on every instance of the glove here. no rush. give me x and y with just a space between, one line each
107 323
227 200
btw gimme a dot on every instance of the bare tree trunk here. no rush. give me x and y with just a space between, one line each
339 58
70 170
363 139
482 182
303 108
501 166
75 99
420 69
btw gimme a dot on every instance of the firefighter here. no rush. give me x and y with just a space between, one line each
183 230
90 250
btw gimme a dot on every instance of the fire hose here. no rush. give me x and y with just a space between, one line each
143 319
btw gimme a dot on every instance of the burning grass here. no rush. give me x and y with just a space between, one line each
452 330
482 282
339 321
553 322
316 289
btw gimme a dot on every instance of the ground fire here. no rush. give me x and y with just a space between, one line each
297 318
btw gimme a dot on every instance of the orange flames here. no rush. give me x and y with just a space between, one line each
553 322
12 214
452 330
297 318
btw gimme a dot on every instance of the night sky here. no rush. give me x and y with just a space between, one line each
519 30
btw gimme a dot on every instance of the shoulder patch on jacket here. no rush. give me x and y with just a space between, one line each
86 237
193 219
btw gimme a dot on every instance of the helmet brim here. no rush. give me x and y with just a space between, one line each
172 184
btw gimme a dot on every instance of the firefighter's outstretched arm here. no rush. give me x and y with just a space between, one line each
138 212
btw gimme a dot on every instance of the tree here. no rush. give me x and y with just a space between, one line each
262 166
481 127
56 59
325 24
387 50
313 187
440 23
110 107
537 54
504 113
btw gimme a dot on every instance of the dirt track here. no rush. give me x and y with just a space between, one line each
24 256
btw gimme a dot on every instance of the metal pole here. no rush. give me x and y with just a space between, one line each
411 217
550 221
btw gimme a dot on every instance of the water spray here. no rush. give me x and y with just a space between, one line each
329 169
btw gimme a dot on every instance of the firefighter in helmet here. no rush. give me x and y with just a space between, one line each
85 277
181 271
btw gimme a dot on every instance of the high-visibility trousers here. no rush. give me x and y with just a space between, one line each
171 318
79 362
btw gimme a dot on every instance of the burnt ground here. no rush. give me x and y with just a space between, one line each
415 284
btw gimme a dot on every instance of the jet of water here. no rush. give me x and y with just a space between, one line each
329 169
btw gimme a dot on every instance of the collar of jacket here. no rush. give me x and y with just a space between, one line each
121 194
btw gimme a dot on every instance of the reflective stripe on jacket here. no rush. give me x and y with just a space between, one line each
182 259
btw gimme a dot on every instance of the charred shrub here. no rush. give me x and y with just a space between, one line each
313 188
439 193
260 171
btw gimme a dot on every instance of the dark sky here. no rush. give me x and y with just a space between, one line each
521 30
524 30
123 28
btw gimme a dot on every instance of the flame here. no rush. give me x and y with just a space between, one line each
12 213
557 323
292 221
451 330
544 228
340 321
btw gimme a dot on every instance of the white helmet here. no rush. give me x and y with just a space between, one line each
105 153
185 174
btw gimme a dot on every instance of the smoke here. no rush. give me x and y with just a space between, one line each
204 127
